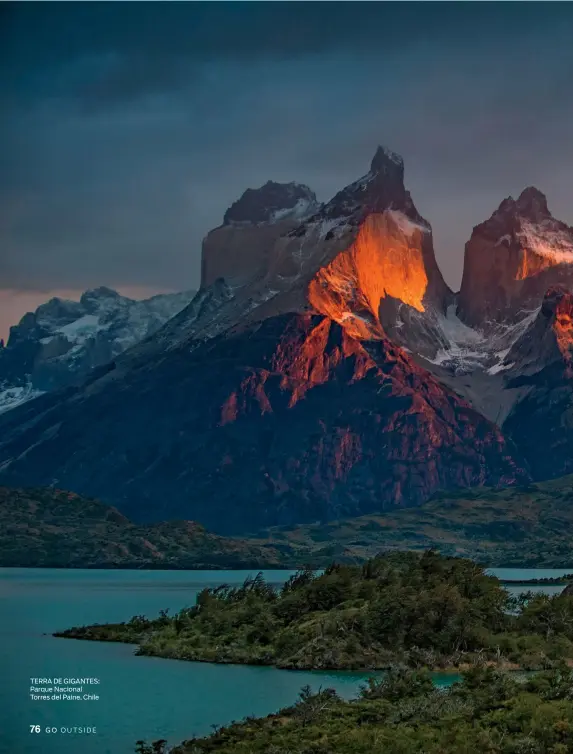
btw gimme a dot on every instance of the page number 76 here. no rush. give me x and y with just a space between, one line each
34 728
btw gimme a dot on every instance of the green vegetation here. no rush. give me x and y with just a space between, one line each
526 526
518 526
419 610
487 712
46 528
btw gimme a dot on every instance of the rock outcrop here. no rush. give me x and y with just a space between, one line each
385 261
364 259
549 338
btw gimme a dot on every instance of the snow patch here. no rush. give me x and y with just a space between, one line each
303 208
329 224
15 396
82 328
500 366
392 156
406 225
548 241
466 349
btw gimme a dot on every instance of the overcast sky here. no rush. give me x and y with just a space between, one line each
129 128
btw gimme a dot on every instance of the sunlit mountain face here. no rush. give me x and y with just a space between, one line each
304 381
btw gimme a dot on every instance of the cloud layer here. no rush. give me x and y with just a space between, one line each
129 128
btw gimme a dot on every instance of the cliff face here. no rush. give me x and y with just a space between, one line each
548 341
387 254
239 249
512 259
290 421
365 259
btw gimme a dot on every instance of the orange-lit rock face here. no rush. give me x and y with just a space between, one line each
329 420
306 363
305 358
386 259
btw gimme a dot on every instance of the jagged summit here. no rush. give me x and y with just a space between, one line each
239 250
271 202
385 160
100 292
367 244
382 188
533 203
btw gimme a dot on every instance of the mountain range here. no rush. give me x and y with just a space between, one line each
324 369
62 341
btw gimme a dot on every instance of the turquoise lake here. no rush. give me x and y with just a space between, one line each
140 697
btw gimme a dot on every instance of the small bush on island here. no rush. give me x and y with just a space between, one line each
417 610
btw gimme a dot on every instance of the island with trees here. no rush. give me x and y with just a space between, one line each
418 610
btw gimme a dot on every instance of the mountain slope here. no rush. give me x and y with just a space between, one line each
58 344
42 528
290 421
523 526
356 259
542 368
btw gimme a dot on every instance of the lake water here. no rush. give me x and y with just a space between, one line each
140 697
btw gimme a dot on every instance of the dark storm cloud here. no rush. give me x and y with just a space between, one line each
129 49
130 127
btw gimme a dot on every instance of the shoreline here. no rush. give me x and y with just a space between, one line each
354 618
549 580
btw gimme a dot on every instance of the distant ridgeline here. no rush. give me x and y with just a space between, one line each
60 343
523 527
